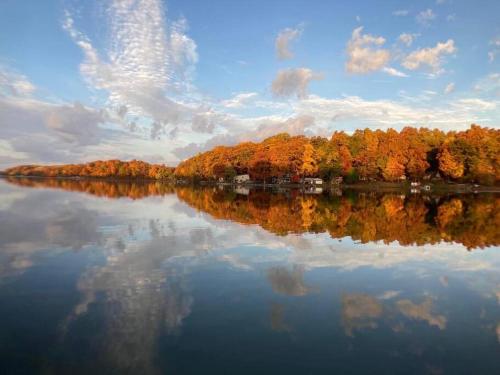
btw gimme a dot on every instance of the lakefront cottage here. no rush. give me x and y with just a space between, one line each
241 179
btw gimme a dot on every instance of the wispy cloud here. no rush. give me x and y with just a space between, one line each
425 17
400 13
394 72
14 84
450 87
489 85
284 40
239 100
407 39
495 49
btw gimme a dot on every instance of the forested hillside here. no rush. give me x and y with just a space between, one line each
467 156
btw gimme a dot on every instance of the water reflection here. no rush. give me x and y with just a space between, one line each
175 283
360 311
287 282
471 220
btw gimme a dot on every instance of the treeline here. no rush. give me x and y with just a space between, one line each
466 156
134 169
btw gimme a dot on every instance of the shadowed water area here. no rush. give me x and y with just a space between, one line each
114 277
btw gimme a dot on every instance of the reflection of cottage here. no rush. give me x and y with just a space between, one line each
311 181
311 189
336 191
241 190
241 179
284 180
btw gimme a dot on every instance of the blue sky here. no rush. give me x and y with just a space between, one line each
162 80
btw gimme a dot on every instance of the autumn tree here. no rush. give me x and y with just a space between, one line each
309 165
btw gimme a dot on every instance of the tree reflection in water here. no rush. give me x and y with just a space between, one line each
468 219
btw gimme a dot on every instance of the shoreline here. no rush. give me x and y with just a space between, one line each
377 186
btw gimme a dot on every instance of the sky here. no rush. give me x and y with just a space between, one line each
163 80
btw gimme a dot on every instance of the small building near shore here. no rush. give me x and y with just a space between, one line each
337 180
312 181
283 180
241 179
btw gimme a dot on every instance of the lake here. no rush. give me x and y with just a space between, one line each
144 278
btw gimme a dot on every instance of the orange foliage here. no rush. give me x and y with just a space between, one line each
134 169
469 156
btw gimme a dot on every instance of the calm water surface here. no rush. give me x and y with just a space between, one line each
108 278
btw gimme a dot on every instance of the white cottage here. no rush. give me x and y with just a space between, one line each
311 181
241 179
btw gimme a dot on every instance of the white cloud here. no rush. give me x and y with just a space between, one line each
184 54
394 72
293 82
353 112
364 53
205 122
407 38
400 13
450 87
75 123
239 100
145 62
48 132
35 130
425 17
431 57
283 41
451 17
